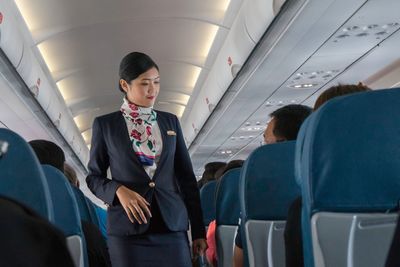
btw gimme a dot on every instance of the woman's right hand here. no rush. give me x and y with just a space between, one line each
135 206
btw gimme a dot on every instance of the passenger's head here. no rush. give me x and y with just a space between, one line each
285 123
139 79
71 175
339 90
49 153
210 169
237 163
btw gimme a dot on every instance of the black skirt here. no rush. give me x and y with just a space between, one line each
150 250
158 247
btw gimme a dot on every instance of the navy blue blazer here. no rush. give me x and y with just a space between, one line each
175 184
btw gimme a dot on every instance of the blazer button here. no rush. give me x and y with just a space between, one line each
152 184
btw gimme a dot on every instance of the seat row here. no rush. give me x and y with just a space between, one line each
345 165
47 191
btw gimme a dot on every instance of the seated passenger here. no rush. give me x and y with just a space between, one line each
28 239
49 153
209 171
70 173
292 235
284 125
100 212
211 251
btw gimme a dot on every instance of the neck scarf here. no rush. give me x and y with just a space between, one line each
140 121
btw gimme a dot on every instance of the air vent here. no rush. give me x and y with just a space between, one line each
362 31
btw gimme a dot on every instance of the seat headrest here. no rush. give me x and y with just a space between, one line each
267 184
21 177
66 214
350 158
227 195
207 197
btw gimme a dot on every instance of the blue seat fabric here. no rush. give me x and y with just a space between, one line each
227 195
21 177
66 214
348 157
207 198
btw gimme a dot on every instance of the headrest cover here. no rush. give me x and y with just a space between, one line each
351 154
21 177
66 215
207 197
227 195
267 184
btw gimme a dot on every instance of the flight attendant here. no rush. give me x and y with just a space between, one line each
153 194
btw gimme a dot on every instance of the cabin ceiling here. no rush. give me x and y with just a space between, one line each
82 43
327 42
322 43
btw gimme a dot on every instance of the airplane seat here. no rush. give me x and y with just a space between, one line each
83 207
92 212
21 177
227 216
349 163
207 198
66 214
267 188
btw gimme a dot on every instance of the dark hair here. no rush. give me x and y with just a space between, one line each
134 64
237 163
70 173
211 168
49 153
339 90
288 120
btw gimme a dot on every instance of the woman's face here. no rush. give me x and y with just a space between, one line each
143 90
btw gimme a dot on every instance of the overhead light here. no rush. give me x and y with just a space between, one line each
181 109
210 40
78 121
63 90
86 136
225 5
26 13
44 51
195 76
303 86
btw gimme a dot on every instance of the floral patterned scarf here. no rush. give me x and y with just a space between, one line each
140 121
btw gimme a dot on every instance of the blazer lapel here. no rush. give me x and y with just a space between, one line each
162 124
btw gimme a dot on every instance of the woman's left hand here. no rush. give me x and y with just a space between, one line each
199 246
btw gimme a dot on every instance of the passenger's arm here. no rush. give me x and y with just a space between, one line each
237 257
97 180
188 185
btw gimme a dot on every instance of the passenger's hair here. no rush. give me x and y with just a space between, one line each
210 169
49 153
133 65
237 163
70 173
288 120
339 90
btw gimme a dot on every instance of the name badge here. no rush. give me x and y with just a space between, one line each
170 132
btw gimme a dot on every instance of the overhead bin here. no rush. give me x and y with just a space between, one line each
17 48
10 37
258 16
253 19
